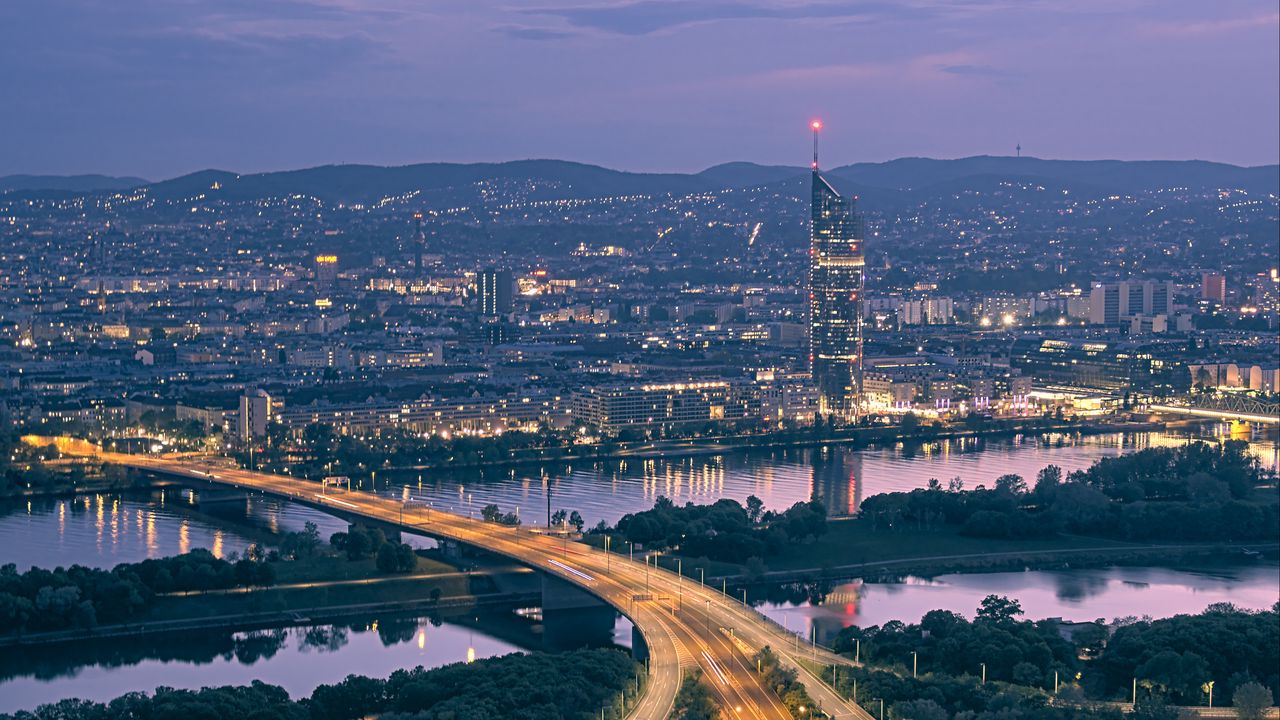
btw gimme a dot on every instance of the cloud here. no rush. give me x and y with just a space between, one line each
1212 27
920 67
643 17
532 33
979 70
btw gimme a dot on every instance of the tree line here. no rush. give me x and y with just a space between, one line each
723 530
83 597
998 665
1197 492
577 685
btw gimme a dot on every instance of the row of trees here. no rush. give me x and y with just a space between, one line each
1196 492
538 686
578 685
361 542
784 683
724 530
1173 660
78 596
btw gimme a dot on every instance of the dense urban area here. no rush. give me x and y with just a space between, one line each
314 329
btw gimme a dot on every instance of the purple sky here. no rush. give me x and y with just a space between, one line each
162 87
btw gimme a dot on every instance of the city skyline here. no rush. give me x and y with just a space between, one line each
157 90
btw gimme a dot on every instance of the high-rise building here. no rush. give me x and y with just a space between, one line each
1213 286
255 413
326 270
419 243
495 291
1111 303
836 266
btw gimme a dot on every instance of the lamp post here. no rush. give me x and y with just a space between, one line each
608 557
915 662
984 673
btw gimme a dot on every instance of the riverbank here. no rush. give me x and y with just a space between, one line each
858 437
321 589
853 548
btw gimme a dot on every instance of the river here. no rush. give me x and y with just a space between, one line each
1077 595
297 659
105 529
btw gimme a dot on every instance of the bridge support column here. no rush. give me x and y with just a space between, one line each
214 496
574 618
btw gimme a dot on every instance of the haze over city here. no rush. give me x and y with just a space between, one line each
156 89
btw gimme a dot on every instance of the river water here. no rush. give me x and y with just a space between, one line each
106 529
1077 595
297 659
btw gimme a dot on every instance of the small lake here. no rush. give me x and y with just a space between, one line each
1079 595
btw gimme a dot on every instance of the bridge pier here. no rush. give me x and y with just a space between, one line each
573 618
208 497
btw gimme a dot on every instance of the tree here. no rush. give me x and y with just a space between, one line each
1011 484
999 609
1251 701
909 424
755 508
575 519
1048 480
694 701
387 561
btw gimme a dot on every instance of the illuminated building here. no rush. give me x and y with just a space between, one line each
836 266
1112 303
326 267
495 292
255 413
611 408
1213 286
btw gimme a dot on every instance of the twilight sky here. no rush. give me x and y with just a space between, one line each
162 87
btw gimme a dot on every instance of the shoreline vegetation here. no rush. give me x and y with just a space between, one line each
998 665
1159 502
574 685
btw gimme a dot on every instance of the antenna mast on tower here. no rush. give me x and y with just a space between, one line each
816 125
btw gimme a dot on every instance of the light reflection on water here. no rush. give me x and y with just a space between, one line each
51 532
297 659
607 490
1078 594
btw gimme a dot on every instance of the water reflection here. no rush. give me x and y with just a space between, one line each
1085 594
297 659
606 490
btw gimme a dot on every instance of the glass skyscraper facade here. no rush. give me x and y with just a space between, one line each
836 267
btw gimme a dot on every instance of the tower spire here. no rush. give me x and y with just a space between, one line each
816 125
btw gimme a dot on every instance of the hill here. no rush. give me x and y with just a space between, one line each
68 183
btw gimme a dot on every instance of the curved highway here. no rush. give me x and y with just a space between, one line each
685 624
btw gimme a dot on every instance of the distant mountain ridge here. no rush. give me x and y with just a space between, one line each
555 179
68 183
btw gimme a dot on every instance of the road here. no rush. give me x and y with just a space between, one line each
685 624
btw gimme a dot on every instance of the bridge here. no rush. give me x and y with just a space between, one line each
1223 406
684 623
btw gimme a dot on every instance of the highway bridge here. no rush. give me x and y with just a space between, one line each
684 624
1227 406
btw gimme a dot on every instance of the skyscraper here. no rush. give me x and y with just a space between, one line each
495 292
419 243
836 267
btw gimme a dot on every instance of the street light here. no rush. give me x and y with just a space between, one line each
915 662
984 673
